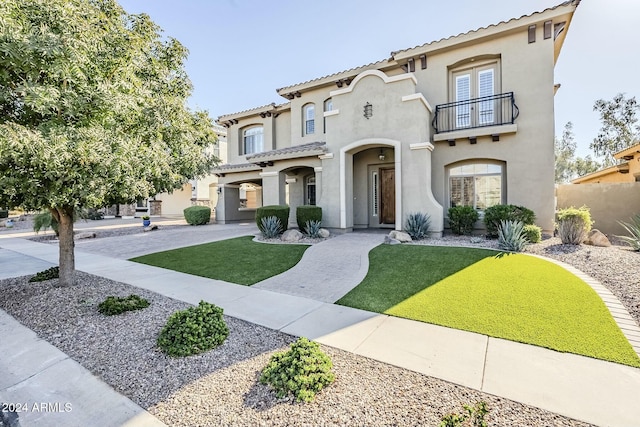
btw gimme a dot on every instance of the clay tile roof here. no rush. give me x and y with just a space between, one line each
235 168
301 150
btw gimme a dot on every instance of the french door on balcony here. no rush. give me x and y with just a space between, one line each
472 84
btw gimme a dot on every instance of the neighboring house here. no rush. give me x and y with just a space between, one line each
627 170
466 120
195 192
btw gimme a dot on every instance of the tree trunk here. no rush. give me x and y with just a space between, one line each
67 265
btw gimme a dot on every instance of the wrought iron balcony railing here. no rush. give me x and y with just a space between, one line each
486 111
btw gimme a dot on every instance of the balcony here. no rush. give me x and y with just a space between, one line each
487 115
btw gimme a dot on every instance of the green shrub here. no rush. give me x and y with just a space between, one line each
633 228
271 227
573 225
45 220
118 305
511 236
532 233
302 371
194 330
4 213
312 229
279 211
307 213
417 225
94 214
497 213
462 219
473 416
48 274
197 215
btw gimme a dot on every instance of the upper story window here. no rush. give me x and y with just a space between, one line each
328 106
476 184
309 114
473 87
252 139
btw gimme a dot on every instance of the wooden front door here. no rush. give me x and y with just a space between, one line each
387 196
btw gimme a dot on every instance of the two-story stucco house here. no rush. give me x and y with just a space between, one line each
465 120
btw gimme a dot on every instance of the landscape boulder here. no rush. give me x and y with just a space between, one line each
85 235
400 236
291 236
324 233
597 238
389 241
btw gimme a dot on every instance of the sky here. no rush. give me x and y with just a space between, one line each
241 51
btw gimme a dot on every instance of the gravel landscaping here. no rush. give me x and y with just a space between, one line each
220 387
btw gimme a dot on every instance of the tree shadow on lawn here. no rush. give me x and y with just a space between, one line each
121 350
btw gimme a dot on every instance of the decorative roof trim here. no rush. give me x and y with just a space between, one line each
602 172
376 73
631 150
293 152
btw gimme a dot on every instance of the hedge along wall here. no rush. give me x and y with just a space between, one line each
609 203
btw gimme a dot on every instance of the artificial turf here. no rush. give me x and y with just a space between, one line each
239 260
511 296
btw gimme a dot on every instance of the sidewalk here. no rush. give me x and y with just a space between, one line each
586 389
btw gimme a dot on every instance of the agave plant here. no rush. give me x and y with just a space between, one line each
312 229
271 227
511 236
633 228
417 225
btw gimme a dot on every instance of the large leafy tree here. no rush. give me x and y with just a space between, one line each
568 166
92 111
619 129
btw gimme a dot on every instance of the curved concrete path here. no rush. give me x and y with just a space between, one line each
328 270
594 391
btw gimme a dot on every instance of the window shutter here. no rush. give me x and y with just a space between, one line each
485 88
463 93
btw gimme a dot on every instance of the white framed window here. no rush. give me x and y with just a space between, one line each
309 114
470 84
328 106
310 183
374 193
479 185
252 140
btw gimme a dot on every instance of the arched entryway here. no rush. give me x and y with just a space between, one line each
370 184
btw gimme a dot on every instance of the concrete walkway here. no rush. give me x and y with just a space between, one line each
598 392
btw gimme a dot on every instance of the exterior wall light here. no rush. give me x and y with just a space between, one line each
368 110
381 155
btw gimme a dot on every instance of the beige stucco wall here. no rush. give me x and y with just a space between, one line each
609 203
173 204
527 70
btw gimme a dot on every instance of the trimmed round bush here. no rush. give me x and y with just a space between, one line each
532 233
279 211
494 215
307 213
194 330
197 215
118 305
302 371
462 219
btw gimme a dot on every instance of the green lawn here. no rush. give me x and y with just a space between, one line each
516 297
238 260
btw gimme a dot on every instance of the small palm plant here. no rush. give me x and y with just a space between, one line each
633 228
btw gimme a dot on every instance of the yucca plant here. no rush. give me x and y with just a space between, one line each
271 227
633 228
312 229
511 236
417 225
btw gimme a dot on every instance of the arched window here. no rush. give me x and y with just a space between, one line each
476 184
328 106
310 190
309 114
252 139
